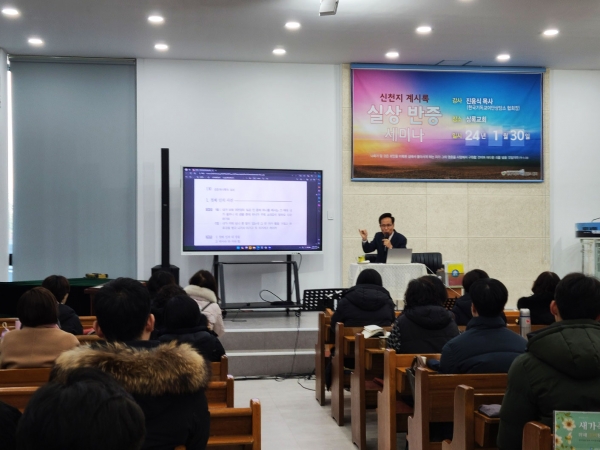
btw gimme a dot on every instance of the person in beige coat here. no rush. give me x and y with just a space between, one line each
203 289
39 342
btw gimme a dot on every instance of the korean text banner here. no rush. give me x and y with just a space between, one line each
446 126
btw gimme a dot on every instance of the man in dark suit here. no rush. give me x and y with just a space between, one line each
386 238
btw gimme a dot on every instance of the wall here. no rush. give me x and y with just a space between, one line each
227 114
500 228
575 159
3 168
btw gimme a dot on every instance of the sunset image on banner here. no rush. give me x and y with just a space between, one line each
413 125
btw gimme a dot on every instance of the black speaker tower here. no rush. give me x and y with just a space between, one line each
165 228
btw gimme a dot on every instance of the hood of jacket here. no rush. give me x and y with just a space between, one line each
165 369
200 293
368 297
571 347
430 317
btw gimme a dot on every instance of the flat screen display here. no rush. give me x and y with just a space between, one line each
228 211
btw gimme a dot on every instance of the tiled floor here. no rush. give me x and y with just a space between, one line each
293 420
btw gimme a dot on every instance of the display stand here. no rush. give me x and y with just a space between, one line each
288 305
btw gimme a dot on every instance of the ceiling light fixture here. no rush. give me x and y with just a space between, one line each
503 57
424 29
279 51
392 54
12 12
161 47
156 19
550 32
35 41
292 25
328 7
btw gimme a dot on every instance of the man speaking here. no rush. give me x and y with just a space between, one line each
386 238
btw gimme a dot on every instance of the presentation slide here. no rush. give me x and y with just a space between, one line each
249 212
227 211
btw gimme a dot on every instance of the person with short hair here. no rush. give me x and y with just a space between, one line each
158 280
88 410
184 323
168 381
487 345
561 369
385 239
159 302
425 325
366 303
68 319
39 341
203 289
462 307
539 303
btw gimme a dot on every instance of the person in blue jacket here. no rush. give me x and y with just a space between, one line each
487 345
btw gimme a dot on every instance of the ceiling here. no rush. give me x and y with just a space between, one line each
361 31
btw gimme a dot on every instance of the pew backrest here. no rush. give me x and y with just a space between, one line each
236 428
537 436
220 394
219 370
18 397
24 377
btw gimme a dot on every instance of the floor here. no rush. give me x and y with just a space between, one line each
293 420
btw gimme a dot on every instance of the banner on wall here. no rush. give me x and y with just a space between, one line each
440 125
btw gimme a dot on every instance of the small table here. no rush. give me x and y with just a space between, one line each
395 276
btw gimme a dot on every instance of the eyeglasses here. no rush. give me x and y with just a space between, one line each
387 225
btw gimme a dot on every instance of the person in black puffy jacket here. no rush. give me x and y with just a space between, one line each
367 303
185 323
425 325
539 303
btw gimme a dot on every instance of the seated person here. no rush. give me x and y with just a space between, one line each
486 346
159 302
561 369
68 320
367 303
185 323
462 307
167 380
88 411
383 240
539 303
39 342
159 279
425 325
203 289
9 419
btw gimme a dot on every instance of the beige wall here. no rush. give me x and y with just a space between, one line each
500 228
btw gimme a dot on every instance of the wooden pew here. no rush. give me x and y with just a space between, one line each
17 397
87 321
235 428
392 413
434 401
219 394
24 377
368 364
537 436
219 369
473 430
322 353
88 338
344 348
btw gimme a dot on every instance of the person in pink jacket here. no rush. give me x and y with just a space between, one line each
203 289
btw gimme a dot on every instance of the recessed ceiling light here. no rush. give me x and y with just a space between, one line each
279 51
503 57
292 25
35 41
161 47
551 32
424 29
156 19
392 54
10 12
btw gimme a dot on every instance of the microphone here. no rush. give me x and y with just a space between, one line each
386 236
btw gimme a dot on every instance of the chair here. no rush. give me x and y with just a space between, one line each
431 260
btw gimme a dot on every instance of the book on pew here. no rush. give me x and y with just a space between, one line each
374 331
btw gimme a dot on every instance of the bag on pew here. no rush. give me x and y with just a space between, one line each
418 361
